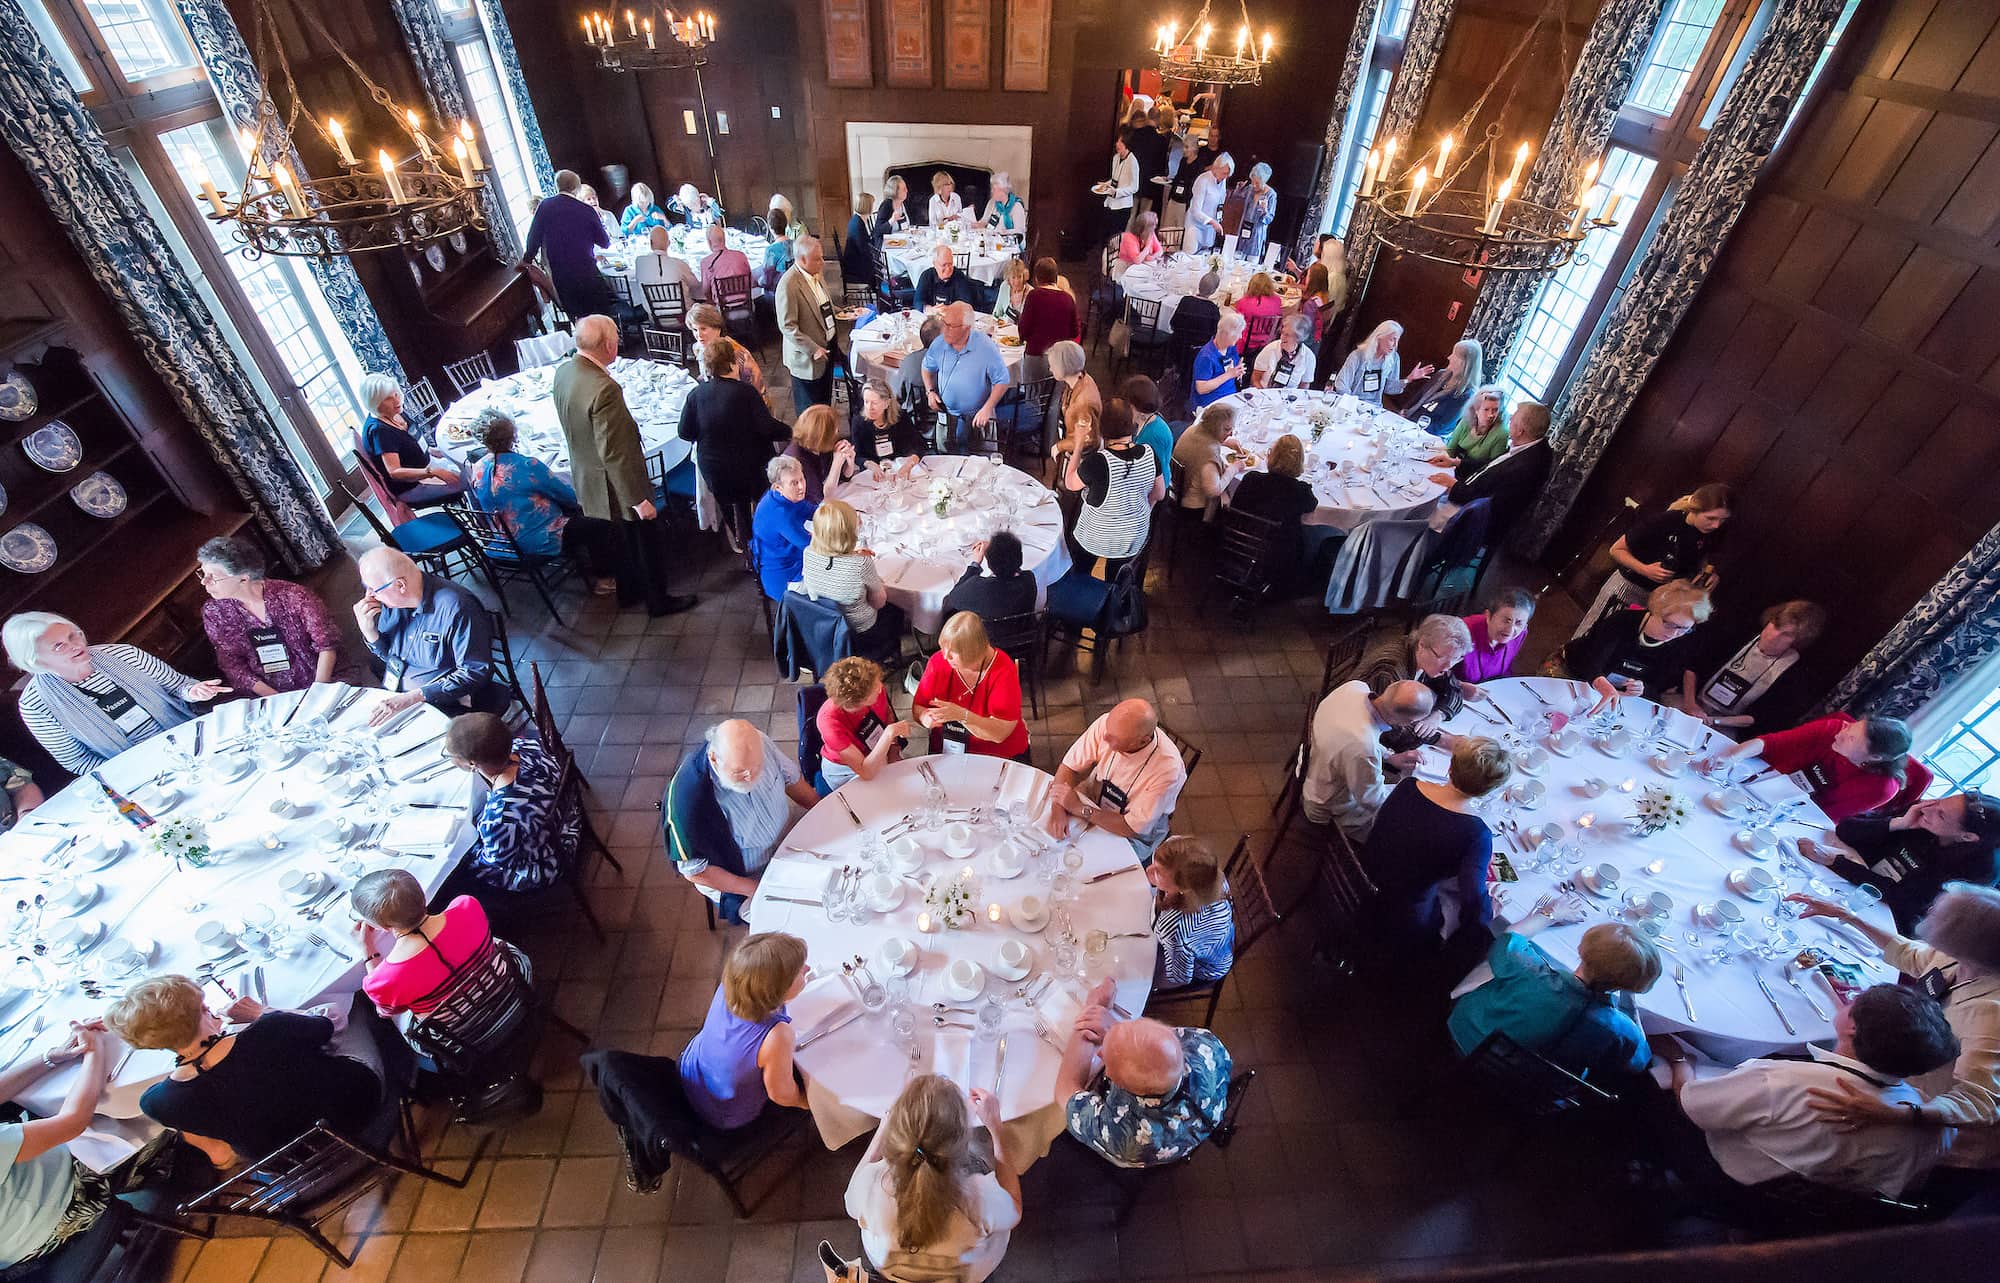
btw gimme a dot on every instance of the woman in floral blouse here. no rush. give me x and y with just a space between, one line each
269 635
537 507
525 829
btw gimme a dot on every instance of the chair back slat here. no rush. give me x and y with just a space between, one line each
466 375
666 303
1190 755
667 346
1249 897
1529 1081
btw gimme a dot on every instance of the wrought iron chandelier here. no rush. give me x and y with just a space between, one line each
390 202
1447 206
676 43
1188 55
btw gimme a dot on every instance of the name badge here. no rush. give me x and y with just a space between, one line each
826 314
392 679
272 656
1810 780
1371 380
121 708
1933 982
1725 690
956 738
1424 421
1109 794
869 730
1282 376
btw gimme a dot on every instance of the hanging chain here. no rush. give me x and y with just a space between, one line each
271 50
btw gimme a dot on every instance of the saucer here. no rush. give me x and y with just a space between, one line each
1614 744
1587 878
1004 868
1021 922
958 842
1560 749
101 853
139 954
1668 766
1728 802
1758 844
1000 968
882 955
86 895
965 993
309 886
884 893
1739 882
88 932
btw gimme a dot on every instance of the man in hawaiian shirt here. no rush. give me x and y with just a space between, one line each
1139 1092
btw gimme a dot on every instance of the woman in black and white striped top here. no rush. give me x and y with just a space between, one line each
87 704
1193 921
1120 483
837 570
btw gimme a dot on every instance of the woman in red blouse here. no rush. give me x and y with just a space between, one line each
411 953
1047 318
970 696
1850 765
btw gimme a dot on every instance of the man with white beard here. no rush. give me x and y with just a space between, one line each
726 809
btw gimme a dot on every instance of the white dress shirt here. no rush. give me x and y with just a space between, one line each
1204 207
1346 781
944 208
1760 1127
1124 181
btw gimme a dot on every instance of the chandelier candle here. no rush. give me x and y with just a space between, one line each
1416 190
471 147
295 200
1520 159
391 178
339 136
1499 207
1368 174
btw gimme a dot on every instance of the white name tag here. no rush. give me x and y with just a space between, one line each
273 658
133 718
392 680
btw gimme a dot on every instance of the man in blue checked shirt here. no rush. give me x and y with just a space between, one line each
434 638
965 376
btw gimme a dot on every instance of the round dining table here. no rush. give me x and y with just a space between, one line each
909 253
1167 280
690 248
1363 462
654 392
880 346
920 555
296 785
1092 919
1567 815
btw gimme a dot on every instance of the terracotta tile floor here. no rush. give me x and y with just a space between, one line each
1339 1170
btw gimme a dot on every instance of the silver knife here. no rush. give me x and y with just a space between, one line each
1812 1002
824 1030
999 1066
257 983
1772 998
1680 978
1099 877
850 812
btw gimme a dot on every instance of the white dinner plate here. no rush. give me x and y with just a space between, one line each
27 548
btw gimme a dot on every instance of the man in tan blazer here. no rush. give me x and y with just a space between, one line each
607 463
805 317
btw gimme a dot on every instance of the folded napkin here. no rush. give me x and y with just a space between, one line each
805 878
966 1060
824 1003
1059 1009
421 830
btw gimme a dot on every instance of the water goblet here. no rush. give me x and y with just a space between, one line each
873 996
1064 956
1062 887
991 1013
1862 898
1072 859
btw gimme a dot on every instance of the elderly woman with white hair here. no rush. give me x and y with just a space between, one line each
1436 403
643 214
1204 206
1427 654
1955 959
1373 369
1218 367
695 207
1260 206
1287 360
410 471
1005 210
87 704
1081 404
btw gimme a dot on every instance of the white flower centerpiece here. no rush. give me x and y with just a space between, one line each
941 496
1321 419
1215 262
1657 809
951 902
184 841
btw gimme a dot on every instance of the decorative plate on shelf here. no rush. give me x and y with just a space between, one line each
434 255
54 447
457 242
17 397
99 494
27 548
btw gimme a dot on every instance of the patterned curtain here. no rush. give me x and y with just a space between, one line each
1946 635
517 88
438 69
1360 44
1710 199
233 76
1428 26
90 195
1582 127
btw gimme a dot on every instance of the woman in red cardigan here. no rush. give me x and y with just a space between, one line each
1849 765
1047 318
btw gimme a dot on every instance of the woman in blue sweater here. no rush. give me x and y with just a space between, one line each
781 527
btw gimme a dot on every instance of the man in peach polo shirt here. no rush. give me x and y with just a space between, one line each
1123 775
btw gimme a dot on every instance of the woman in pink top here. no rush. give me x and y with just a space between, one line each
1139 242
411 953
1260 300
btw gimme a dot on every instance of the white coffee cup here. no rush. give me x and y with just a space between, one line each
906 853
898 954
1753 881
1594 787
967 975
958 838
1013 955
1605 876
213 937
1031 908
1722 914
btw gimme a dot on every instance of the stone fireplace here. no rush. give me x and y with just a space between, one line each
969 153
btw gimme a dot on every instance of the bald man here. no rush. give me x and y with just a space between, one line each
434 639
725 810
1123 775
964 376
1351 771
607 463
1139 1092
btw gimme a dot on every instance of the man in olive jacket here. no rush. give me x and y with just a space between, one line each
805 318
607 463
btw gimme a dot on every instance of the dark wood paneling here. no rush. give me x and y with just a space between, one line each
1842 368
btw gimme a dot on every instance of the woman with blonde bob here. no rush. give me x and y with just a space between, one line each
928 1204
946 204
1435 404
1203 454
1192 917
1958 943
741 1059
837 570
822 450
970 694
1635 649
1426 838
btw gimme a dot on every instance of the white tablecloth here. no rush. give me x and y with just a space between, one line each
1166 281
1368 462
1691 864
655 393
142 897
881 346
856 1073
909 253
921 555
691 249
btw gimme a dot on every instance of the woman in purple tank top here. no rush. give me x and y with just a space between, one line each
742 1057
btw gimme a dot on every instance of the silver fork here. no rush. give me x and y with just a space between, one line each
320 940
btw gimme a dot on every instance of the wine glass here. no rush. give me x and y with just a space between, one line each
991 1013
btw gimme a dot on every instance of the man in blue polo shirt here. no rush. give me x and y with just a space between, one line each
965 376
434 638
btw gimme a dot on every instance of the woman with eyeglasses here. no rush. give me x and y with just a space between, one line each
1637 648
269 635
87 704
1427 655
1911 858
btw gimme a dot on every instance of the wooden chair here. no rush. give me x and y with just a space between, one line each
1259 331
1077 606
674 491
1171 238
1024 638
1030 402
1350 898
1147 344
961 261
1528 1082
667 346
1190 755
466 375
502 657
666 304
1251 908
890 296
1457 563
1247 561
422 409
1342 654
548 727
507 562
435 541
857 294
739 317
